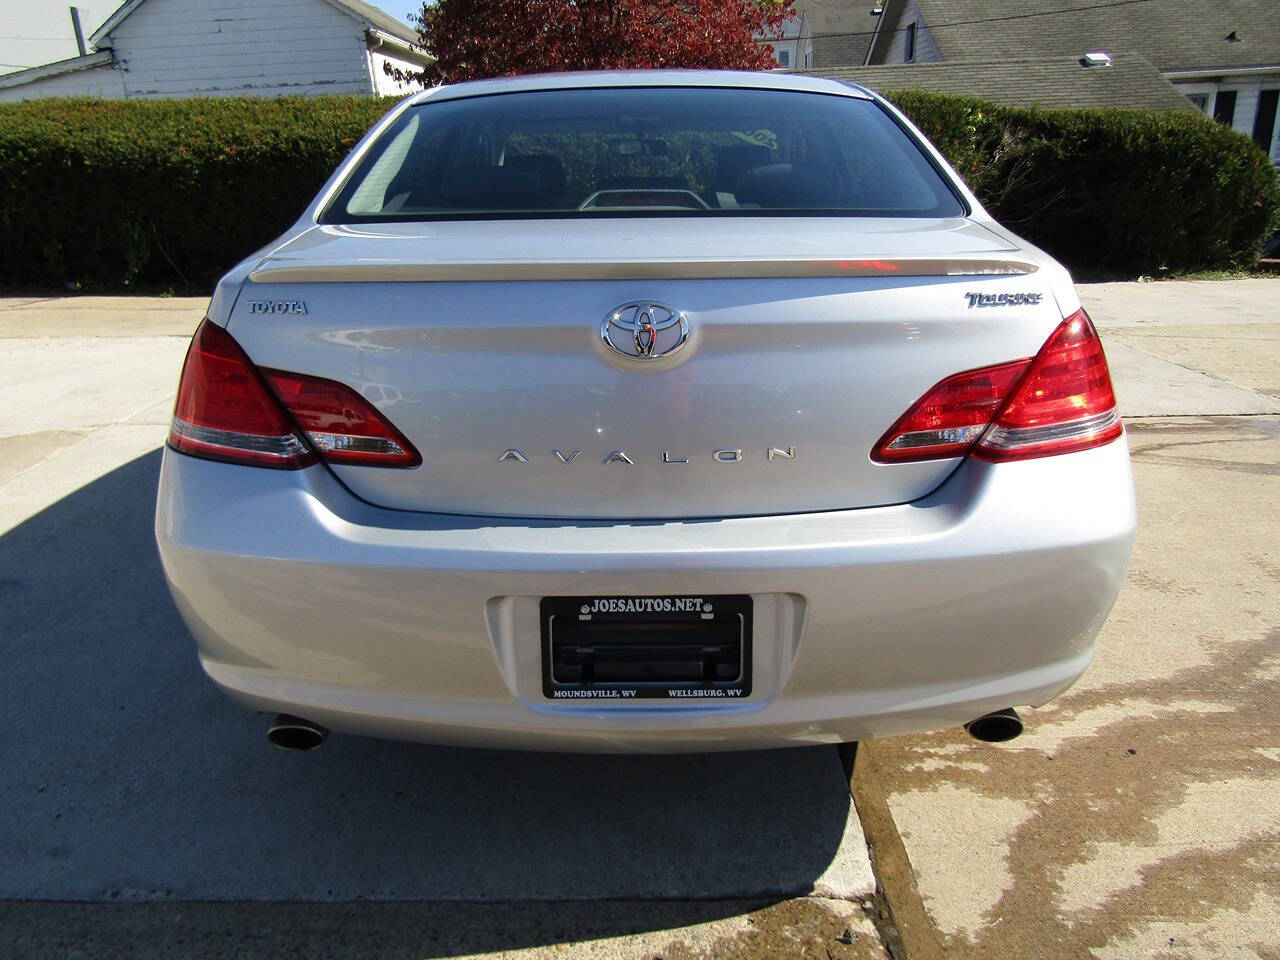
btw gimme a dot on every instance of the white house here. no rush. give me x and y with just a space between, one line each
1223 57
219 48
827 33
794 49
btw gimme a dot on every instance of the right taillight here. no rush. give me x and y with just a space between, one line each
1063 404
1060 401
230 410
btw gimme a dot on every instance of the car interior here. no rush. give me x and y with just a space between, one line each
504 162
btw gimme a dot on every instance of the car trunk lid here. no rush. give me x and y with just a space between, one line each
481 341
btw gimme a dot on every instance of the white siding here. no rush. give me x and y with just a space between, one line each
1207 91
1246 108
797 41
1274 84
926 48
105 81
184 48
385 86
1247 98
1275 145
1248 90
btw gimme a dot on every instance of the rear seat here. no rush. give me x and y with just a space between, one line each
546 166
735 162
492 188
782 185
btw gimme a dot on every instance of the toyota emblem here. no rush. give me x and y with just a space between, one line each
644 330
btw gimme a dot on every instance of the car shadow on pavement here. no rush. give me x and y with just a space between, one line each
128 778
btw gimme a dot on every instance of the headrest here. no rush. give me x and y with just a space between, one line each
493 188
781 185
544 165
732 163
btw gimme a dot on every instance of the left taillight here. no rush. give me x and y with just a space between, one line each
229 410
226 412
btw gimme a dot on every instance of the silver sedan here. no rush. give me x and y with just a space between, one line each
645 411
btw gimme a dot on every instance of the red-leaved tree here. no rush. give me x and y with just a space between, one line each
471 39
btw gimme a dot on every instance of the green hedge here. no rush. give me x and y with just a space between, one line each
1132 191
116 195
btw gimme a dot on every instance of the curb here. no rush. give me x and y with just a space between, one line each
907 931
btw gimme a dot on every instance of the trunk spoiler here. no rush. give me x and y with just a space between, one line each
373 271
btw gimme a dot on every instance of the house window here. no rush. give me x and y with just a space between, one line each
910 55
1264 123
1224 107
784 57
1201 100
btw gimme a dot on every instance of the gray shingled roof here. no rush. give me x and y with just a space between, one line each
1047 81
841 29
1172 34
380 19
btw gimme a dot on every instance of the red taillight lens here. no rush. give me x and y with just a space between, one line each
342 425
948 420
1065 402
225 411
1060 401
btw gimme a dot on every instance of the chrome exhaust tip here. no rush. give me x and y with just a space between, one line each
999 727
294 733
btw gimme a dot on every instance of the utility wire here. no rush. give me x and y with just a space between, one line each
933 28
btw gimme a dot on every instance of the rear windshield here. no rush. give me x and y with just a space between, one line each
644 151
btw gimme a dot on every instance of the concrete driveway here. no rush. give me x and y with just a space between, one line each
130 784
1139 815
142 815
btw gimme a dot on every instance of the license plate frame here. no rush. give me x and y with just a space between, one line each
618 648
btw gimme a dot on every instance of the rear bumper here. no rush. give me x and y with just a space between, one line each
986 594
